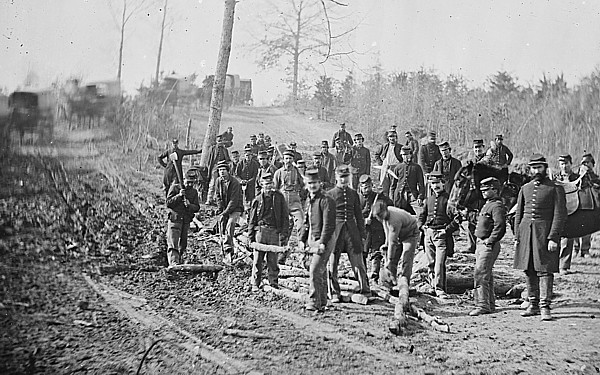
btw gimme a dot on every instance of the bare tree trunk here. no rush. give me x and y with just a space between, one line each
187 133
216 103
296 56
162 34
122 39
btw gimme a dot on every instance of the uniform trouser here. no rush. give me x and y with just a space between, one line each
177 238
267 236
539 285
343 243
471 238
402 256
485 257
583 245
317 293
372 248
227 227
295 208
566 253
169 176
385 184
214 174
435 249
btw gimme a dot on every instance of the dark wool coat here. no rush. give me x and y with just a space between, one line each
320 221
279 215
541 216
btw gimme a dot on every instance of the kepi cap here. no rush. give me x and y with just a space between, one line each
565 158
312 175
325 144
490 183
431 134
499 136
365 178
537 159
478 142
406 150
191 175
358 136
435 176
444 145
289 153
223 164
266 177
342 170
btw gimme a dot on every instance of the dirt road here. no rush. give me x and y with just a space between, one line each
77 296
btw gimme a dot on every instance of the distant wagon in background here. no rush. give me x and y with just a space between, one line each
175 90
31 112
89 102
238 91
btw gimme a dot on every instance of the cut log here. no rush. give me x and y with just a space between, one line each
402 305
245 334
286 293
431 320
194 268
279 249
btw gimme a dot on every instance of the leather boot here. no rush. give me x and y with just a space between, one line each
375 267
173 257
480 302
546 289
533 293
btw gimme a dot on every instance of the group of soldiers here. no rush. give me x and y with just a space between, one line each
336 207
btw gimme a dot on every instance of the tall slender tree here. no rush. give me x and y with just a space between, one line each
218 91
160 44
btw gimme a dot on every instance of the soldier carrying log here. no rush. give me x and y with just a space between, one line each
267 224
317 232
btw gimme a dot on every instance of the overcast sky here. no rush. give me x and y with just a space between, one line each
59 38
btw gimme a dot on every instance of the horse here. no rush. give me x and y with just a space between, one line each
583 208
581 221
466 193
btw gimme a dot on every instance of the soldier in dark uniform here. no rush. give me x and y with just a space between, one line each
429 154
328 161
297 155
227 137
409 183
183 203
413 143
317 232
230 205
438 228
322 172
255 147
375 233
491 227
235 159
343 154
471 217
361 160
218 153
344 137
267 141
264 167
448 166
173 166
566 174
539 220
267 224
246 172
349 228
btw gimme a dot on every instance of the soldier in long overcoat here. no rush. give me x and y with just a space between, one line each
539 220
